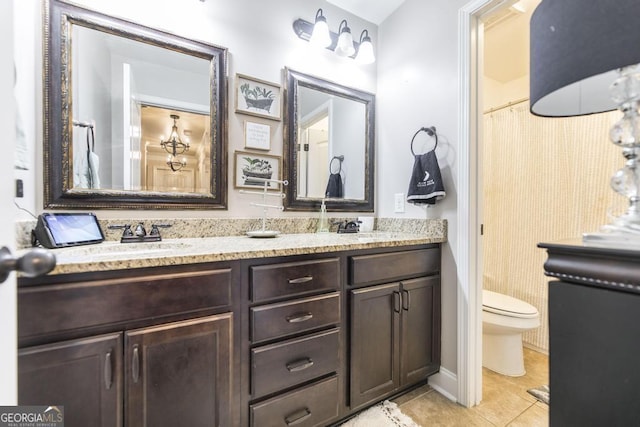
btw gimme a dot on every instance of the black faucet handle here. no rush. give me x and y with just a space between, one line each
155 229
125 227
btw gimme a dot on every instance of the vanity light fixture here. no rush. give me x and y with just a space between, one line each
365 51
174 145
345 40
341 43
320 35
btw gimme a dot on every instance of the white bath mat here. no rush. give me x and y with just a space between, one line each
381 415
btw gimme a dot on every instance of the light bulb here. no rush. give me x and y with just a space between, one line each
345 41
365 51
320 35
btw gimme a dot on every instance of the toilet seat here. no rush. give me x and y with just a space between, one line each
505 305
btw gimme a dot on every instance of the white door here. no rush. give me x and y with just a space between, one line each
8 320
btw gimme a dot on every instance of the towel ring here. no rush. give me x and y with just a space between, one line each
431 131
339 159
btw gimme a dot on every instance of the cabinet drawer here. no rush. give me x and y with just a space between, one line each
294 278
309 406
278 366
278 320
56 308
381 268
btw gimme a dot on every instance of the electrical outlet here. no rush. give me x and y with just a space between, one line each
398 204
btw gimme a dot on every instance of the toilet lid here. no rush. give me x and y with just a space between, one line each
495 302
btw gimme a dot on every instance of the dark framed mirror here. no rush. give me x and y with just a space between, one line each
328 145
134 118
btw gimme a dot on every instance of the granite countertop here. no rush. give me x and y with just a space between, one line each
117 256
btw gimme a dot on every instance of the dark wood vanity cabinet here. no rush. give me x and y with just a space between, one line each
295 342
395 326
304 340
153 349
84 375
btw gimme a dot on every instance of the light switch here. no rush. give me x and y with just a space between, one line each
399 203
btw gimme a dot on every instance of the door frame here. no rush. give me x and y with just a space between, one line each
469 301
8 290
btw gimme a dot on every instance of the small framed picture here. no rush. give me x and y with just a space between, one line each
258 97
252 170
257 136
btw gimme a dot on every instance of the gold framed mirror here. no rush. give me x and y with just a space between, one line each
134 117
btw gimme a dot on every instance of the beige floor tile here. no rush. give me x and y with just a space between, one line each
505 401
536 416
500 404
413 394
433 409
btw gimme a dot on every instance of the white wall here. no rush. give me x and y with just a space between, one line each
260 44
418 86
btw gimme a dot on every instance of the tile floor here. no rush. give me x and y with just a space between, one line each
505 401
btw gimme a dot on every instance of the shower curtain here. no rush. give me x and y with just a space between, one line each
543 180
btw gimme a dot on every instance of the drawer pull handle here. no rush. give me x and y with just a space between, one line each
300 280
396 301
135 365
406 300
299 317
299 365
108 371
297 417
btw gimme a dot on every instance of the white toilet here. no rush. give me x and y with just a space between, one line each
504 319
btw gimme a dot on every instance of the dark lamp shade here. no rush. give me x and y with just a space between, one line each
576 48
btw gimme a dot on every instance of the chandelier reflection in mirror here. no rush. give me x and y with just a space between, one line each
174 146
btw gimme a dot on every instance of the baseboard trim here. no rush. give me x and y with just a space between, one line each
445 382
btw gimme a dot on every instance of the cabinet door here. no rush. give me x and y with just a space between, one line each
375 349
179 374
420 329
84 376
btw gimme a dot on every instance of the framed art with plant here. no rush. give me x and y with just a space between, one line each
258 97
252 168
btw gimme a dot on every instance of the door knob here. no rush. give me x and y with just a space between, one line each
34 263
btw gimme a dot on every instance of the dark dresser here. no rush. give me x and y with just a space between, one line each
594 335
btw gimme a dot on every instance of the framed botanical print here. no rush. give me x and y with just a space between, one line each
258 97
252 169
